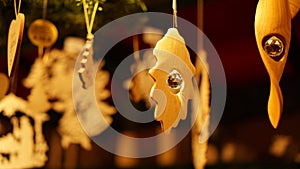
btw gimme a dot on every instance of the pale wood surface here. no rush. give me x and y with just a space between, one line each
273 17
15 36
171 54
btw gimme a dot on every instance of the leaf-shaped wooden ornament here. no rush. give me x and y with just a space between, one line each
173 74
15 36
273 35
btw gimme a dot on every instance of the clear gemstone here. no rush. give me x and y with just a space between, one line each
175 80
274 46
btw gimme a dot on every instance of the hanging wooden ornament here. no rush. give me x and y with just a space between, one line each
140 85
173 74
86 56
200 130
273 36
52 80
22 146
42 33
15 36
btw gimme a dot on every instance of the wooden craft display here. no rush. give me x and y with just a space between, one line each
172 73
273 35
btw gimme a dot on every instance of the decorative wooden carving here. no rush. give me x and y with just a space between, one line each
173 74
273 35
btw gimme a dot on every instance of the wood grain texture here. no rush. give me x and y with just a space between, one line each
294 7
15 36
273 17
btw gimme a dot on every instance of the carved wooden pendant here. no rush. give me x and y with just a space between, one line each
15 36
273 35
42 32
173 74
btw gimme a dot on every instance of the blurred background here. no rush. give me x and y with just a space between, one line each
244 137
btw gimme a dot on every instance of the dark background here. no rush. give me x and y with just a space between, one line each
229 24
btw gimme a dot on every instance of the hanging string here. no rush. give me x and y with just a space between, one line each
45 2
136 53
17 11
89 23
200 17
174 6
42 53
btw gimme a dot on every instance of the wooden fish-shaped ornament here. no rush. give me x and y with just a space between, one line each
173 74
273 35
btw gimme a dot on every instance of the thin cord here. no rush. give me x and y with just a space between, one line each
200 18
86 17
93 17
17 11
89 24
45 8
174 6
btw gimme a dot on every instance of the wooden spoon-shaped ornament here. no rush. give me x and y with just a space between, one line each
42 33
273 35
15 36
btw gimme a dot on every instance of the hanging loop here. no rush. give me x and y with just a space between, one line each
45 2
17 11
89 23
